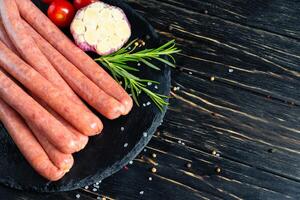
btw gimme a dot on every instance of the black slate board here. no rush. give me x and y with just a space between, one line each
105 154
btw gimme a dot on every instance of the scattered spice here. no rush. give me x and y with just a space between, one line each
176 88
214 152
189 165
145 134
153 170
126 168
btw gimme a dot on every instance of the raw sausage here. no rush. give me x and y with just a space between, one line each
86 122
84 87
29 109
82 139
5 39
75 55
28 49
61 160
27 144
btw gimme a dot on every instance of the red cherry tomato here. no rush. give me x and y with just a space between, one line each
82 3
61 13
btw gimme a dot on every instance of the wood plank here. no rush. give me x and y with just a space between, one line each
216 46
276 16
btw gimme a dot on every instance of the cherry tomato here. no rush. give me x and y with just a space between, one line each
82 3
61 13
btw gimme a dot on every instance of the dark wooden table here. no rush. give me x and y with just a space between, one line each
233 127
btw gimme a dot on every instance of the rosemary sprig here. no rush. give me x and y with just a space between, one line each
117 64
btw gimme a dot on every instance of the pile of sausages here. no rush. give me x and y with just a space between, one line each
43 79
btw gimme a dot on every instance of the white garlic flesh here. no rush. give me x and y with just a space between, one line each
101 28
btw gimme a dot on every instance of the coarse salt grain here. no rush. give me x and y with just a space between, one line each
141 192
145 150
179 141
145 134
94 189
150 178
190 73
149 83
139 64
148 103
144 105
230 70
131 162
176 88
126 145
86 187
156 87
77 196
122 128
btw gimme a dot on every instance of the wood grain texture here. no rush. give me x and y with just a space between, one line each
249 115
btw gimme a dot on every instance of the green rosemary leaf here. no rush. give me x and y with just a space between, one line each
121 67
